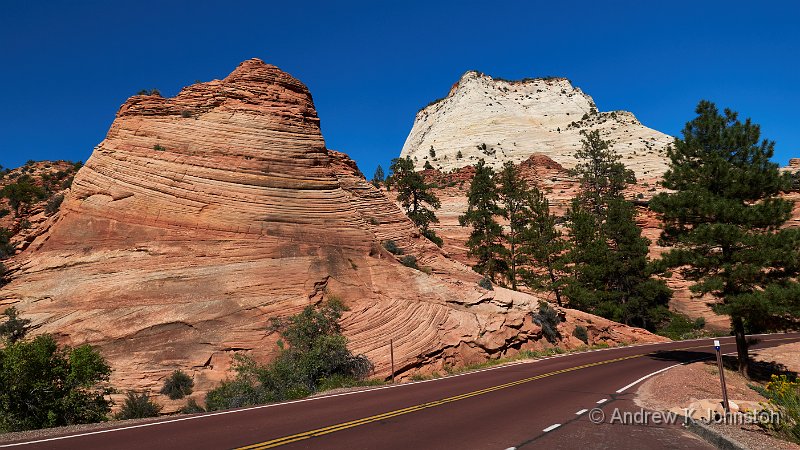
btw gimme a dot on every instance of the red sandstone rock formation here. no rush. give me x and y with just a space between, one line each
201 216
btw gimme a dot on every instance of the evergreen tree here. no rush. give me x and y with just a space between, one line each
413 193
378 177
485 240
601 174
724 220
542 246
14 328
512 195
611 272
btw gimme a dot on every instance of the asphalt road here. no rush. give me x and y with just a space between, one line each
540 404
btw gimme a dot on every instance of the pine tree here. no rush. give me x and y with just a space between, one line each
542 246
724 221
512 193
611 272
601 174
485 240
413 193
378 177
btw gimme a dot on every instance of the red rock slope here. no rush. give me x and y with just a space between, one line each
201 216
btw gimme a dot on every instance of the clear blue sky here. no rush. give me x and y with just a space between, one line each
68 66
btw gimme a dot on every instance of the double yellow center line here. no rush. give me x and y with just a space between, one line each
388 415
399 412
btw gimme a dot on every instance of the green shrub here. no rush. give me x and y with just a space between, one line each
4 212
186 114
192 407
138 406
486 283
54 204
6 249
548 319
581 333
409 261
392 247
177 385
159 148
44 385
316 358
679 327
431 236
149 92
22 193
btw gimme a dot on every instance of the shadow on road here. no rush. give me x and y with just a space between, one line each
758 371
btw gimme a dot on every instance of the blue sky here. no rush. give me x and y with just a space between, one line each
68 66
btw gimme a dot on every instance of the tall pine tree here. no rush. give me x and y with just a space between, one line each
512 193
724 220
611 272
378 177
542 246
485 240
413 193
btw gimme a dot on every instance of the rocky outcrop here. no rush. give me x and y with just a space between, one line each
201 216
499 120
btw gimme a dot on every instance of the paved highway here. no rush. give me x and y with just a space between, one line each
538 404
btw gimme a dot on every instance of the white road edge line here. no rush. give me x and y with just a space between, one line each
625 388
551 427
581 412
253 408
600 402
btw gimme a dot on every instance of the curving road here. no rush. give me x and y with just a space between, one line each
536 404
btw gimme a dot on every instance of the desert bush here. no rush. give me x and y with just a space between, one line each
192 407
6 249
699 323
784 394
548 319
159 148
315 358
431 236
4 212
581 333
186 114
391 247
54 204
679 327
486 283
409 261
138 406
22 193
45 385
177 385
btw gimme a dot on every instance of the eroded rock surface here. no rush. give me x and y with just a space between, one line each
500 120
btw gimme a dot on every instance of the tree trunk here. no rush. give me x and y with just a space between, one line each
553 284
741 345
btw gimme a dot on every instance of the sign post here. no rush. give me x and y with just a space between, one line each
722 378
391 356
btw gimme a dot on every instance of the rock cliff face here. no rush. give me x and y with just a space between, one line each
500 121
201 216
